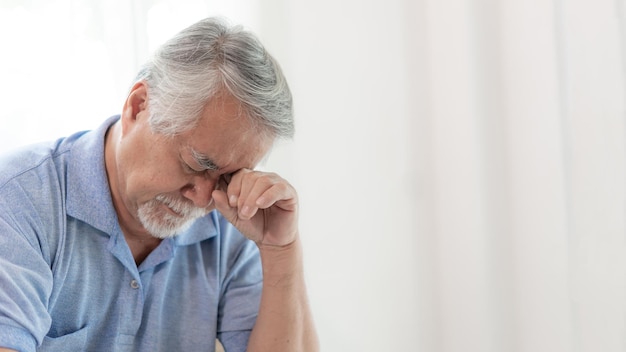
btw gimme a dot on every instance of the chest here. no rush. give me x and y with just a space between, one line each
100 296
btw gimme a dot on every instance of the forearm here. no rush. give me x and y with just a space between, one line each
284 322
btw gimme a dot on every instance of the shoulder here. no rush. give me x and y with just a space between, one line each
32 188
34 163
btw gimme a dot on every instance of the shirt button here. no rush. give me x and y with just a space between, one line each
134 284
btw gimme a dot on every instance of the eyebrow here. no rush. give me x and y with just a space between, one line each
204 161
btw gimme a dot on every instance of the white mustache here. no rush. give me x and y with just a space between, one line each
182 207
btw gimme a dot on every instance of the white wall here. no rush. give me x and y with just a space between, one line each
352 161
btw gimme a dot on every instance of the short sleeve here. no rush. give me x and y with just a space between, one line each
25 286
242 282
234 341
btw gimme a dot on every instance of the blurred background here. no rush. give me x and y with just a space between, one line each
460 163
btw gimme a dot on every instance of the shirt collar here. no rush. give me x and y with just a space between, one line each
202 229
88 192
88 196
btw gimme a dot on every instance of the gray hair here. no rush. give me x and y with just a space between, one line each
208 58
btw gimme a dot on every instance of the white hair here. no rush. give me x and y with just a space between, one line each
208 58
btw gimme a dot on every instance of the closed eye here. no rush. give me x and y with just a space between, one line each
188 169
203 161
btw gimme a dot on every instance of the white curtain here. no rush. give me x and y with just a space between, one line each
461 164
462 171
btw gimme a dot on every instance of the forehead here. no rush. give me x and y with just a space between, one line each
227 136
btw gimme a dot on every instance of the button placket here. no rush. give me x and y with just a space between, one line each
131 306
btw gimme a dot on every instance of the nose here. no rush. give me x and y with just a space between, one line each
199 190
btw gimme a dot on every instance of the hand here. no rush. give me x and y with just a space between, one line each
262 206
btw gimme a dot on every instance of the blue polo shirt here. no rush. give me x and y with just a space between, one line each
68 281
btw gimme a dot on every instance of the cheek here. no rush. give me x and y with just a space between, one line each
163 177
145 179
160 180
152 167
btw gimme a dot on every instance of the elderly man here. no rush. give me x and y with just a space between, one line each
154 232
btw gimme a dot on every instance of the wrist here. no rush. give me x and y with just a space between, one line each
282 265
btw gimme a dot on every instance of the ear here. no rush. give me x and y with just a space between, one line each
135 106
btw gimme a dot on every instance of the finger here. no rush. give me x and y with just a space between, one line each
234 187
281 195
221 204
225 182
242 183
268 190
222 183
252 186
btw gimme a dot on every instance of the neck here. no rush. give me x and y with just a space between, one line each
141 243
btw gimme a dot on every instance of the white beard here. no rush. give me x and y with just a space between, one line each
162 224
